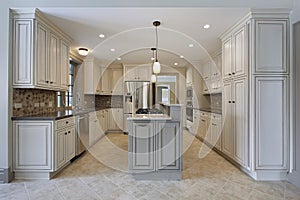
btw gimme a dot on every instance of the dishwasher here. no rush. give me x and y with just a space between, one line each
82 136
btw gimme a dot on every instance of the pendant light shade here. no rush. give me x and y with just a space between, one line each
153 78
156 67
156 64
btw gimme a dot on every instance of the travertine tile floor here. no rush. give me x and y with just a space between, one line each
211 177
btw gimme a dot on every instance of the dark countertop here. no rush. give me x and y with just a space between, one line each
46 116
211 110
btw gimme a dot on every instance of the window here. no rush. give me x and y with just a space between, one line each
65 99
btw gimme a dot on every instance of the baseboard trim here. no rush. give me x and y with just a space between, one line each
6 175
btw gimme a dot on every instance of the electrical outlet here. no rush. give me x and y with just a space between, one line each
36 104
18 105
42 104
50 104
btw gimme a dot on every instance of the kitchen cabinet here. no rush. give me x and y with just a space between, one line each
92 74
196 121
254 53
137 73
117 81
42 147
38 56
94 127
106 81
235 134
64 142
204 117
116 119
155 149
64 64
215 130
234 54
33 147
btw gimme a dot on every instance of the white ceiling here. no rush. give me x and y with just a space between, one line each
131 33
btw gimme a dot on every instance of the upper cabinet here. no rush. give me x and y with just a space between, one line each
112 81
92 74
40 52
137 73
234 60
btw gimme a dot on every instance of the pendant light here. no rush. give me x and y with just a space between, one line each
153 76
156 64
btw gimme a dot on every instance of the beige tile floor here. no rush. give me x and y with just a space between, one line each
211 177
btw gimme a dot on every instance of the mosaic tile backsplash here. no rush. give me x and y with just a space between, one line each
33 101
216 101
103 101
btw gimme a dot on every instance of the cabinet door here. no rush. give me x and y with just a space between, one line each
143 73
106 81
130 74
238 65
23 49
227 133
271 131
70 143
142 146
33 145
64 65
203 127
42 55
168 145
240 121
206 71
216 131
54 68
117 81
226 68
60 151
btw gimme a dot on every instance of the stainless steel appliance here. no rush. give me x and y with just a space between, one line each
189 112
82 136
136 96
189 93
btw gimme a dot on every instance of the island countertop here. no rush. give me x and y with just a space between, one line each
149 117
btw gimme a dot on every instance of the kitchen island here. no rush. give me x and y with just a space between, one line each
155 144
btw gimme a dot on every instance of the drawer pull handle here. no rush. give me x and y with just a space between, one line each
69 131
233 73
229 101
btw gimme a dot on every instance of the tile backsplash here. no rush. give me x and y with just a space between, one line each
103 101
33 101
216 101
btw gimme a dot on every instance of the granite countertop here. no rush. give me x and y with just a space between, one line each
149 117
212 110
46 116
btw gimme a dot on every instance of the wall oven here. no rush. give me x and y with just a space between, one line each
189 93
189 111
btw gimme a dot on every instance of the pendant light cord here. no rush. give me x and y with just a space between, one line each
156 44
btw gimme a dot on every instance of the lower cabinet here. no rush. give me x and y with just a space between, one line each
42 147
155 149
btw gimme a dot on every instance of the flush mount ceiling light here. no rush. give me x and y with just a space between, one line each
119 58
156 64
83 51
206 26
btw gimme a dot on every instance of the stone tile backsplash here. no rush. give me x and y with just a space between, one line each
216 101
33 101
103 101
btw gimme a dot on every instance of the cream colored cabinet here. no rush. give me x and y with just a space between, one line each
204 123
64 64
234 54
33 147
37 58
64 142
92 74
196 120
42 147
216 129
117 81
116 119
106 81
137 73
95 131
235 134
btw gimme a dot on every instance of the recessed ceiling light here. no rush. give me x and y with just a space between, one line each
206 26
101 36
118 58
181 56
175 64
112 49
191 45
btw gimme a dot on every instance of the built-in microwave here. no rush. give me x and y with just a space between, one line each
189 93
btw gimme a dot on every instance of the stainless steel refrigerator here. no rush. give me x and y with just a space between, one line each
137 95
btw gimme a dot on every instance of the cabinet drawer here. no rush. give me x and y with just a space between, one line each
64 122
216 117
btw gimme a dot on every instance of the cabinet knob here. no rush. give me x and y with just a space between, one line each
233 73
66 133
51 82
67 122
229 101
233 101
47 81
69 131
229 74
